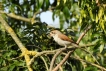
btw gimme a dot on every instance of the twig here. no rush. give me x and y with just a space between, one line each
12 15
44 63
82 35
90 54
62 62
96 65
30 20
93 64
53 59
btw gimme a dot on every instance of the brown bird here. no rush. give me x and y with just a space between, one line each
62 39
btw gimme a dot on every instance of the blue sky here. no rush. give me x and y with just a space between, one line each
47 17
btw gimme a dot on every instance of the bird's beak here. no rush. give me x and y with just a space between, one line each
49 35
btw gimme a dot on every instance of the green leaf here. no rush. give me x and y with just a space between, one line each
90 69
91 15
102 24
97 19
100 13
66 12
101 48
102 59
4 69
11 67
47 4
40 3
61 17
53 16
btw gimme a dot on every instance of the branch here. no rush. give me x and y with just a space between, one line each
66 57
12 15
93 64
30 20
54 51
62 62
53 59
82 35
45 52
44 63
96 65
16 39
12 33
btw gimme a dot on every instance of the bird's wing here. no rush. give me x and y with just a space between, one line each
64 37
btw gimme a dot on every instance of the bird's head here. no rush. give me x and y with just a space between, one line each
54 32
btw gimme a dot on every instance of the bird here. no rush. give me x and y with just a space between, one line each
62 39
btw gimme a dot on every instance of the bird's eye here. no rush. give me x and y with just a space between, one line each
52 32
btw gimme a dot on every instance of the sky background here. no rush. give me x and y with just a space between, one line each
47 17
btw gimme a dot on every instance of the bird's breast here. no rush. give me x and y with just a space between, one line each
60 41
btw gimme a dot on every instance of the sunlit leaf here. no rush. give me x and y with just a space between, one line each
58 2
11 68
91 15
100 13
40 3
66 12
97 18
102 22
104 17
65 1
101 48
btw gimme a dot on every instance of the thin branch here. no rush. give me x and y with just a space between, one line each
44 63
90 54
12 15
62 62
53 59
96 65
30 20
82 35
82 60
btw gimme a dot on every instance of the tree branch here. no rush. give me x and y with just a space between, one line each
96 65
12 15
30 20
53 59
44 63
82 35
54 51
16 39
63 61
82 60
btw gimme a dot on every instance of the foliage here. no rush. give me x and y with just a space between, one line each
78 14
